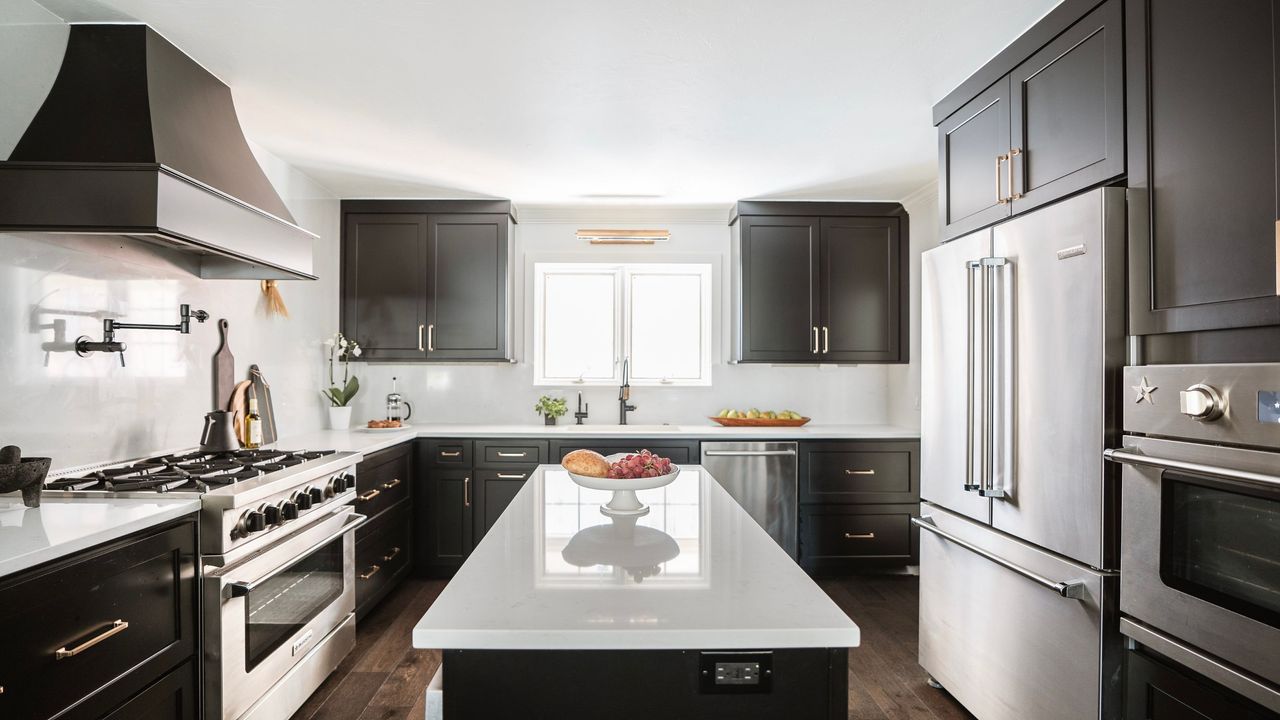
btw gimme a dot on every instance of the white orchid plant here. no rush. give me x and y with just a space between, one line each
342 350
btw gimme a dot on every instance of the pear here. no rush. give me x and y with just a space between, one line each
771 415
724 413
753 413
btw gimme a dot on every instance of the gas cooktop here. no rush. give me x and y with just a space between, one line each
193 472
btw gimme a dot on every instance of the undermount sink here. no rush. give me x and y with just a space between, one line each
622 429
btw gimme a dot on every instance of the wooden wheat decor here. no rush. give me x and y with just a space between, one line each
275 301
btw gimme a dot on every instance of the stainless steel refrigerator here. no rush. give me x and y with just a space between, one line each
1023 345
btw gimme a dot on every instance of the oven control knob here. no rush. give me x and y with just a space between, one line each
317 495
273 514
336 486
302 500
349 480
288 510
254 521
1201 402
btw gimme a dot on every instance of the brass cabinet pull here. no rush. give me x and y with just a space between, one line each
860 536
388 485
859 472
366 497
1000 198
511 476
391 555
116 628
450 453
431 338
421 347
373 570
466 492
1015 152
826 339
511 454
815 339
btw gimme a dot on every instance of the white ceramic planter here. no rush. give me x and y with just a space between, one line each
339 418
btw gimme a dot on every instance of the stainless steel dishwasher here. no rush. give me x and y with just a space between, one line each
761 476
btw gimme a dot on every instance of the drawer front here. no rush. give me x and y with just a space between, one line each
679 453
383 481
449 453
497 453
382 552
859 473
114 618
827 533
172 697
495 489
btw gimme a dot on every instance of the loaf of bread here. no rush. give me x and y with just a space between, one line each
586 462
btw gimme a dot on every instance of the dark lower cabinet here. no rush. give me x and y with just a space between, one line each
384 494
1202 87
1157 689
172 697
495 489
446 533
681 452
86 634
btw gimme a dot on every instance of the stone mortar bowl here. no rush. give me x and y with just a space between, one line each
27 476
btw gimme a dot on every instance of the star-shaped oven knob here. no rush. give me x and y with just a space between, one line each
1144 391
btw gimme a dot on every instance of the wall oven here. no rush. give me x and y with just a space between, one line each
280 620
1200 524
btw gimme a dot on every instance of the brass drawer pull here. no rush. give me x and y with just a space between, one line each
391 555
510 476
390 485
512 454
860 536
859 472
116 628
450 453
373 570
366 497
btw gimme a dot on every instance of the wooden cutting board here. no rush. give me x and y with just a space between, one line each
224 371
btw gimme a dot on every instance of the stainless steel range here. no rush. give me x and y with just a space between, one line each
1201 520
278 554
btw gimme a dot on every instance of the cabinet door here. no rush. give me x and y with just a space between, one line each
1067 104
495 489
451 510
972 182
779 289
467 287
1157 691
862 290
384 293
1201 83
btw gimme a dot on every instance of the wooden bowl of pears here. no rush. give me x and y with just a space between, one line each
759 418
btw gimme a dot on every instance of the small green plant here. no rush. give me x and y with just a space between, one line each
342 350
551 407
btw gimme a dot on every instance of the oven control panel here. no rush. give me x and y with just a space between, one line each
1237 404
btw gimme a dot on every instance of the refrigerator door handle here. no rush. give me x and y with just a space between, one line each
999 374
974 365
1072 589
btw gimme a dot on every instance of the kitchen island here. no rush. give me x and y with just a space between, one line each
691 610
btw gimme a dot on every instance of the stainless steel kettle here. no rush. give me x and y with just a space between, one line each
219 432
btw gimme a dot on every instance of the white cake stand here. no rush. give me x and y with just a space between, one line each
624 502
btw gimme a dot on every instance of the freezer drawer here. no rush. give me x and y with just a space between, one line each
1001 640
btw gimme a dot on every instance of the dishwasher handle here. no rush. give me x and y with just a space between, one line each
747 453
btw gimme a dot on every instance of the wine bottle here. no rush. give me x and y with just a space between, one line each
253 426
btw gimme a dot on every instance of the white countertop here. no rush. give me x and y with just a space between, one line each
62 526
361 441
696 572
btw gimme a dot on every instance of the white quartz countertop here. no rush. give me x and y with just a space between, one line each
696 572
359 440
63 526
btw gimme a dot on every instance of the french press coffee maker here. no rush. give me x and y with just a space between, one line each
397 405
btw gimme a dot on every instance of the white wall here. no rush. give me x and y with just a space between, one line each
53 289
506 394
904 380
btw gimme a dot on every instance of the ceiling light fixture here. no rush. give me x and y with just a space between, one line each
624 237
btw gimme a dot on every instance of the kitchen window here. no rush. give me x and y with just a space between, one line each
589 316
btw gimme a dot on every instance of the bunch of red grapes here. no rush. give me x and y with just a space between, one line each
642 465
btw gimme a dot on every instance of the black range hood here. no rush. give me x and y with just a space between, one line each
136 139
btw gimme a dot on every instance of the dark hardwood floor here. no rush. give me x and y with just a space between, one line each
384 677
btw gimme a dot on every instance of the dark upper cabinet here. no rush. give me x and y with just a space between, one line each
384 286
427 279
819 282
467 291
1203 233
779 289
1043 120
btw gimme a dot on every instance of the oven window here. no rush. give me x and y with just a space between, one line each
279 607
1218 542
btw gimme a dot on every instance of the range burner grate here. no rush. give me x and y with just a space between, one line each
194 471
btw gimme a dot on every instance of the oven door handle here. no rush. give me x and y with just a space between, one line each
1128 457
241 589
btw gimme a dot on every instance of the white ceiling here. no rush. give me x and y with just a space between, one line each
572 101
